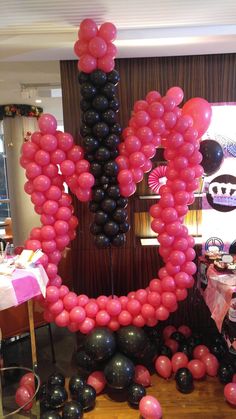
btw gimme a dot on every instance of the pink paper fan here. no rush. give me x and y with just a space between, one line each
157 178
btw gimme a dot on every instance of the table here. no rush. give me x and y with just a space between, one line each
22 286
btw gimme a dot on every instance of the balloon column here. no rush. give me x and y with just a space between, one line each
100 130
155 121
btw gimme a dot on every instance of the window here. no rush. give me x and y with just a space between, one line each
4 196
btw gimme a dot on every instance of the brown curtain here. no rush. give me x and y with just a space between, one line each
210 76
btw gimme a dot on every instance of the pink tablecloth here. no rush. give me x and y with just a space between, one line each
21 286
218 294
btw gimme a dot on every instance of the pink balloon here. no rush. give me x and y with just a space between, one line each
177 257
172 344
75 153
169 215
168 284
67 168
48 246
41 183
48 142
162 313
113 307
52 294
77 314
148 311
176 93
38 198
50 171
185 330
107 31
163 366
200 110
29 150
22 396
181 294
50 207
128 190
65 141
124 318
154 299
97 47
142 376
33 245
87 325
91 309
42 157
150 408
62 319
179 360
87 63
47 124
35 137
28 380
200 351
102 318
230 393
211 363
82 166
167 332
80 47
153 96
63 213
134 307
132 143
51 270
111 50
48 232
168 299
97 380
88 29
197 368
106 63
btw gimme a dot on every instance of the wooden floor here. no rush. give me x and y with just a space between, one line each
206 402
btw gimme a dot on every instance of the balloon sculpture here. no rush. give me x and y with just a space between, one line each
51 159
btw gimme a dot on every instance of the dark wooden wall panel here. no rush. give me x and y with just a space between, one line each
210 76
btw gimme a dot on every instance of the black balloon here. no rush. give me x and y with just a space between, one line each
98 194
42 393
56 396
111 228
72 410
119 240
194 340
225 373
109 117
95 229
85 361
75 384
184 380
119 371
91 117
135 393
98 78
147 355
90 144
83 77
124 227
101 217
100 103
94 206
218 350
87 397
186 349
165 350
104 180
56 379
114 104
85 130
178 337
85 105
110 168
113 77
116 129
131 340
101 129
114 153
122 202
102 154
50 414
111 141
88 90
100 344
113 191
213 156
120 215
108 205
96 169
102 241
109 90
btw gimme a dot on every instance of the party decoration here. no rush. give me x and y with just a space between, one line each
50 414
72 410
230 393
150 408
105 172
157 178
163 366
56 379
20 110
22 396
142 376
87 397
211 363
97 380
56 396
135 393
213 156
197 368
184 380
131 340
226 372
75 384
100 344
119 371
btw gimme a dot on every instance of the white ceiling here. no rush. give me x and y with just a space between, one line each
34 35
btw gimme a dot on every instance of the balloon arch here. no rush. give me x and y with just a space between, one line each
51 159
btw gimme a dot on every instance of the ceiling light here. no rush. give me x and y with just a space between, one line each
38 101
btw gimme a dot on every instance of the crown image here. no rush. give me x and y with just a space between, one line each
223 193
